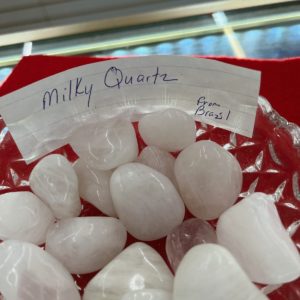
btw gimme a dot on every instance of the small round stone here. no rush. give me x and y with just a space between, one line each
55 182
94 187
210 272
106 145
86 244
146 201
137 267
159 160
209 179
28 272
190 233
252 231
170 130
23 216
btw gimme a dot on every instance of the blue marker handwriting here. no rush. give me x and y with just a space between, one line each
116 78
70 92
210 109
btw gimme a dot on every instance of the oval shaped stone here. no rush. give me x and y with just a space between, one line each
146 201
159 160
28 272
147 294
170 129
190 233
209 271
86 244
209 179
23 216
94 187
136 268
55 182
252 231
106 145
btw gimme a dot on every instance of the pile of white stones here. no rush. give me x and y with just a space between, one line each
144 194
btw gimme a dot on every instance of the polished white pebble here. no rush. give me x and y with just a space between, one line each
159 160
138 267
106 145
27 272
54 181
147 294
210 272
170 129
252 231
94 187
86 244
146 201
209 179
23 216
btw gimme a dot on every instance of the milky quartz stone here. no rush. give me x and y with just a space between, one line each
190 233
86 244
136 268
27 272
159 160
209 179
170 130
210 272
94 187
147 294
54 181
252 231
23 216
106 145
146 201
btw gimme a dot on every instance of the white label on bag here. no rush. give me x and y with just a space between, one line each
40 116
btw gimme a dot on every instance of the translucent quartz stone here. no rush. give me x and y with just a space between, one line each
23 216
170 130
148 294
86 244
252 231
54 181
158 160
106 145
209 179
28 272
94 187
210 272
146 201
190 233
136 268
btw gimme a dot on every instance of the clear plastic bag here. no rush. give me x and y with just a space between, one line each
269 160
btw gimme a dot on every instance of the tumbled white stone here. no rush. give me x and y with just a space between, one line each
54 181
190 233
94 187
210 272
146 201
158 160
170 130
106 145
28 272
209 179
138 267
86 244
23 216
252 231
147 294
